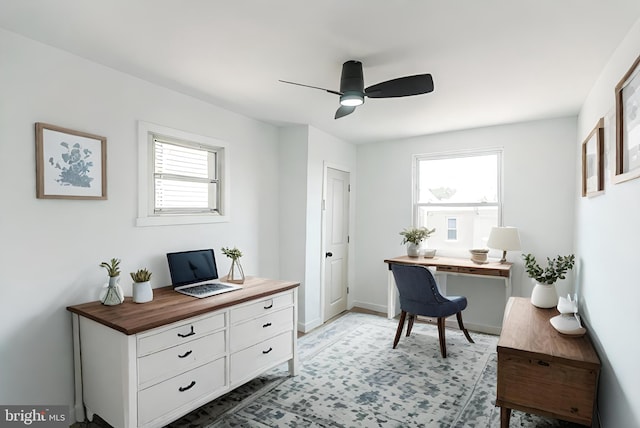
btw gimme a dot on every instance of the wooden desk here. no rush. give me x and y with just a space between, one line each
542 371
450 266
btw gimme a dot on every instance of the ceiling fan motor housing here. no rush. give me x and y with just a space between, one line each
352 84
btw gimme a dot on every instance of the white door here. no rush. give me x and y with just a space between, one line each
336 243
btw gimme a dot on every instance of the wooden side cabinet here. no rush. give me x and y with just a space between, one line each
541 371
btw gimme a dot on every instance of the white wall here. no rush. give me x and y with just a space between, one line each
50 249
306 151
539 191
607 237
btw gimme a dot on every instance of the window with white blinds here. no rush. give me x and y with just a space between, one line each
185 178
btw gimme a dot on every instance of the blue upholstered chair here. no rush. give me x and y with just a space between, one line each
419 295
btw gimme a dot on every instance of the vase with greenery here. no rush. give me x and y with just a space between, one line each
236 274
544 294
413 237
113 294
142 292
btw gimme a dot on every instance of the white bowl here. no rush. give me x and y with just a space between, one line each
429 253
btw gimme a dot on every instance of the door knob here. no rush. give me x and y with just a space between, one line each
328 254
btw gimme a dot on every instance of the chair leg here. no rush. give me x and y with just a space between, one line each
464 330
403 316
443 345
412 318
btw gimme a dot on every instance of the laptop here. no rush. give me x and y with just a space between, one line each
194 273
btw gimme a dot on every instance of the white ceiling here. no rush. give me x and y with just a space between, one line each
492 61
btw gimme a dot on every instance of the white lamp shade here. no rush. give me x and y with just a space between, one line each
504 238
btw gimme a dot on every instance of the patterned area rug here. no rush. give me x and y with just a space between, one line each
351 377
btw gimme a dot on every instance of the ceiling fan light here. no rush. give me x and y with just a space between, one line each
351 99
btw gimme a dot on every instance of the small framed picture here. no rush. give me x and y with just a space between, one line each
593 161
70 164
628 125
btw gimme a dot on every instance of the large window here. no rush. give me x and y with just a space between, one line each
460 195
182 177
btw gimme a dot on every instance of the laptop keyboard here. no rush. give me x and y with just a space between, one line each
203 289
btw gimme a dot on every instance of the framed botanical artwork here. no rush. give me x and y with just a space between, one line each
628 125
70 164
593 161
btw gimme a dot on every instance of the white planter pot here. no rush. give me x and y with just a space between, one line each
142 292
544 295
413 250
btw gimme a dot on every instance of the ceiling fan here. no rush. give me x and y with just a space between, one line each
352 91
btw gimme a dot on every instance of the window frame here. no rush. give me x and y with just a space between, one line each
454 229
147 216
417 158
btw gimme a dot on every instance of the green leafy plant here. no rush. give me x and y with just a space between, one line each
416 235
555 270
112 267
232 253
141 275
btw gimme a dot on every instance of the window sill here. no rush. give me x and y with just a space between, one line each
180 220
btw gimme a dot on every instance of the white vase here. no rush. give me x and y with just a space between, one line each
413 250
544 295
142 292
112 293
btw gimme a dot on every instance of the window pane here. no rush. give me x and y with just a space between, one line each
469 179
179 160
473 225
451 223
181 194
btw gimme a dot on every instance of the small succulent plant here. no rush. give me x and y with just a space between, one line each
141 275
112 267
232 253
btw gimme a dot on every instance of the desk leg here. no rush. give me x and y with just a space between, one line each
77 369
505 416
391 295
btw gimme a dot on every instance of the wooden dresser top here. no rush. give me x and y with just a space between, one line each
169 306
526 331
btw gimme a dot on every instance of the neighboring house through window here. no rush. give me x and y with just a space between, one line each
182 177
459 194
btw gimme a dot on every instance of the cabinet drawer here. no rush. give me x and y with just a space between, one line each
166 396
179 333
261 328
260 307
564 390
156 367
247 363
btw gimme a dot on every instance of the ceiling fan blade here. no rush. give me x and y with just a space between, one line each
401 87
309 86
343 111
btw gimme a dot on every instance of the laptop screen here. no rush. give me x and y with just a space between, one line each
188 267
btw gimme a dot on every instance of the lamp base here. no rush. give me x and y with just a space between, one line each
503 260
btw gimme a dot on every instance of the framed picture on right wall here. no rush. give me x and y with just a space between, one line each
628 125
593 161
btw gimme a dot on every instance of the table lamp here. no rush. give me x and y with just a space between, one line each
505 239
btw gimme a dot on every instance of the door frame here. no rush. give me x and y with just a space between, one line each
323 231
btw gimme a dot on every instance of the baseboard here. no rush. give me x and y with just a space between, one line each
307 327
369 306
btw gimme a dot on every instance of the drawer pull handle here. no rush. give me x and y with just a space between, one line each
267 351
266 325
186 354
270 306
191 333
543 363
184 388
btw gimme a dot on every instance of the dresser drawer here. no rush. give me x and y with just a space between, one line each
247 363
261 307
179 333
156 367
564 390
166 396
261 328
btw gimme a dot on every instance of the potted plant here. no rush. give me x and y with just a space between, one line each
236 274
142 292
544 294
112 294
413 237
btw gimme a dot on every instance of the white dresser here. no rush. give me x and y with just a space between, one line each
146 365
